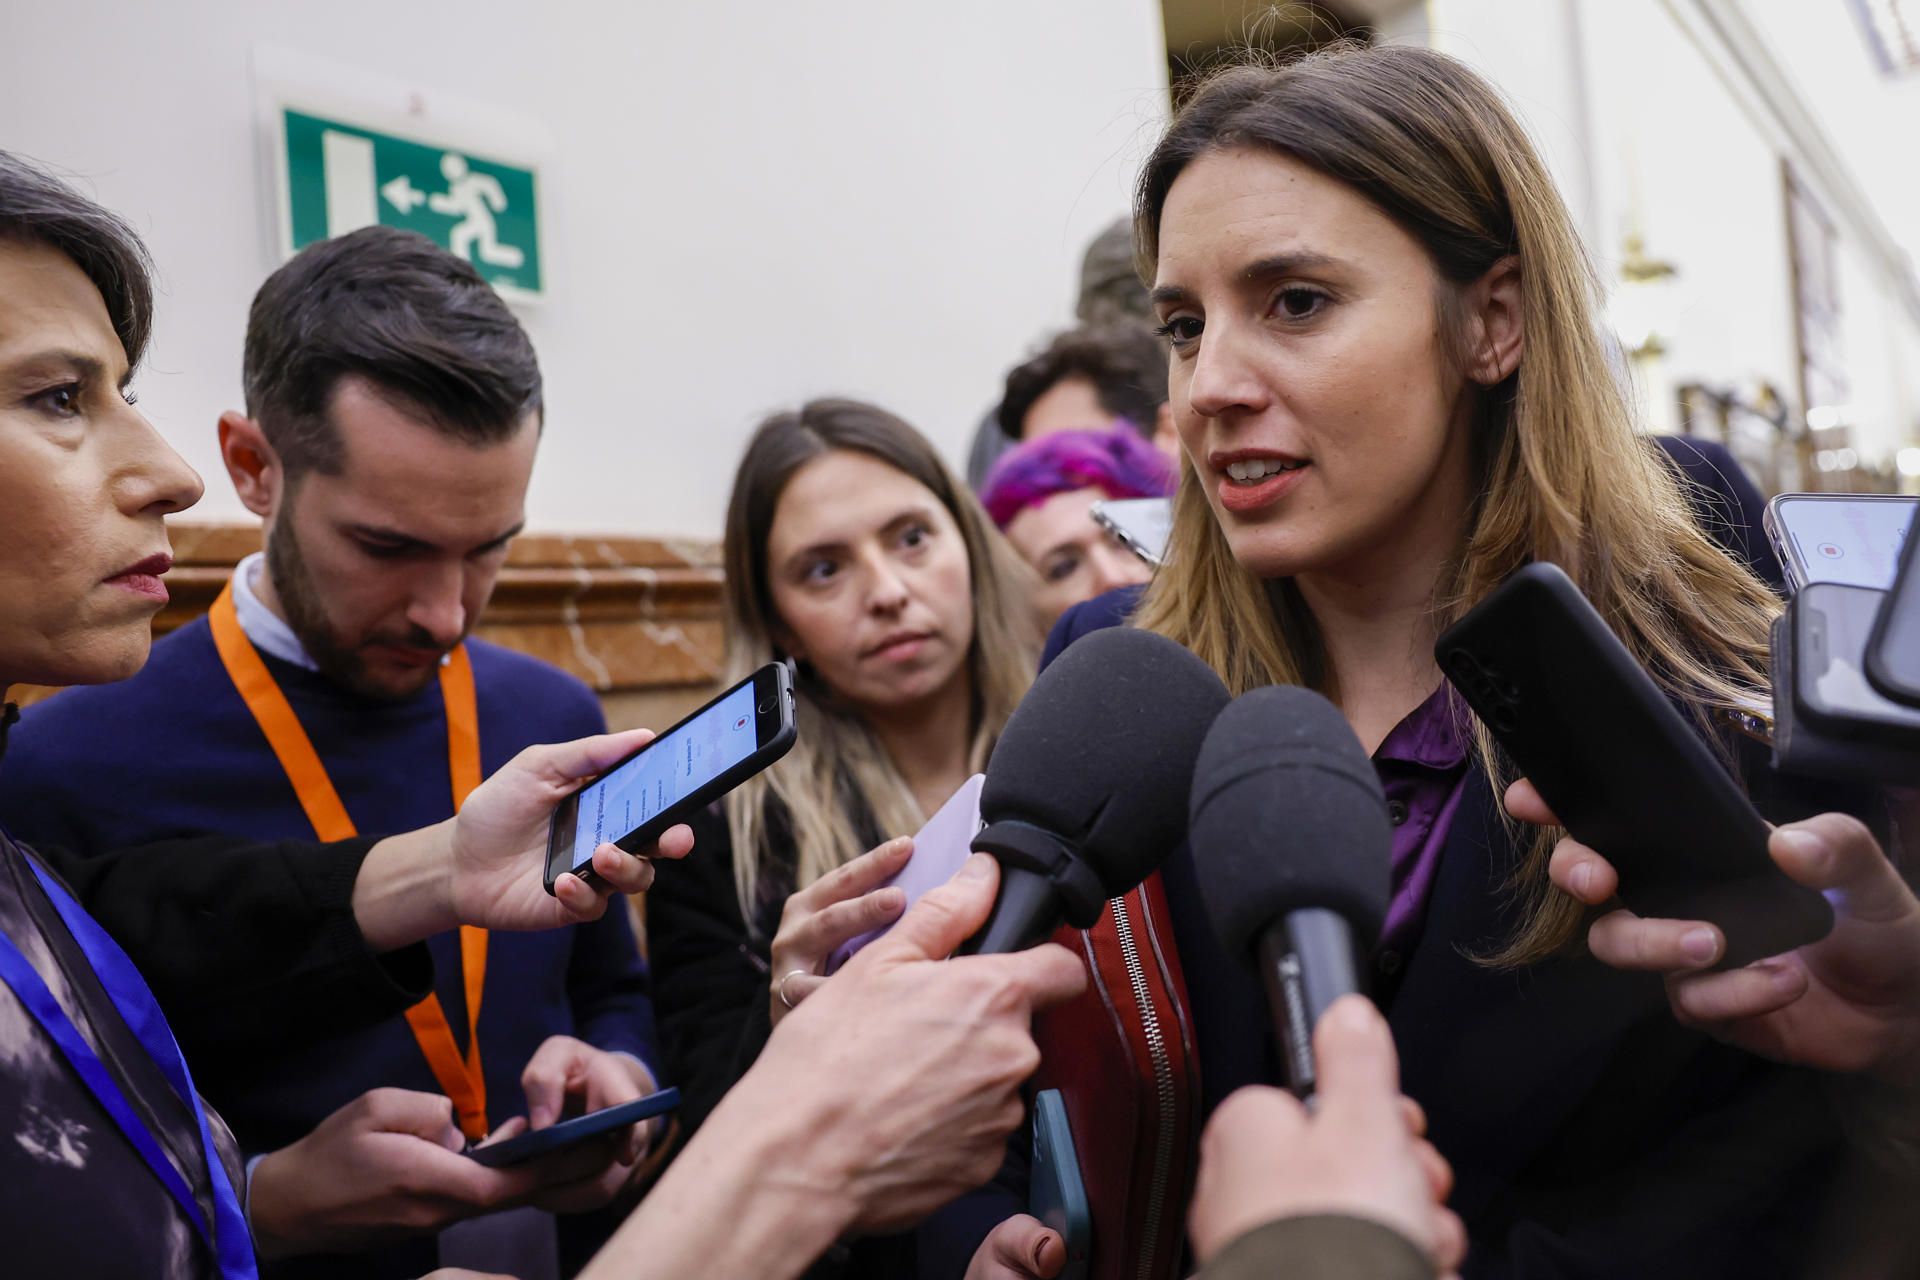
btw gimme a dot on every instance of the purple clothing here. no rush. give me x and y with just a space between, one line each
1422 765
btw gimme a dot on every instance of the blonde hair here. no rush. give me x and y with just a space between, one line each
1562 476
838 778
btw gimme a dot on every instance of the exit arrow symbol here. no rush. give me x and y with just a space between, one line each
403 195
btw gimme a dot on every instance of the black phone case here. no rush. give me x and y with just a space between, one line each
1893 649
643 836
1892 726
1621 767
1803 748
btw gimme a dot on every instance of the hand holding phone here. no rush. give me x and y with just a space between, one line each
571 1133
688 767
939 848
1616 761
1057 1194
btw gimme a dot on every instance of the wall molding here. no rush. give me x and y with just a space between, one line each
1736 48
627 615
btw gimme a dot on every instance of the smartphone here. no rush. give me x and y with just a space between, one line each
1621 767
569 1133
1056 1194
1141 525
680 772
1893 650
1805 749
1831 625
938 850
1852 539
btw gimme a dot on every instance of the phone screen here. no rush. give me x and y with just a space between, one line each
1142 524
671 767
1832 646
1851 542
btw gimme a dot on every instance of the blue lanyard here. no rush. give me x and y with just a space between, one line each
230 1243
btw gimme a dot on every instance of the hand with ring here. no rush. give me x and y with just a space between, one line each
845 903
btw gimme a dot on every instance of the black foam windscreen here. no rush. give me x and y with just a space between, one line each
1288 814
1101 751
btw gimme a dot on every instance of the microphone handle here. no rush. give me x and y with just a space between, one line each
1025 914
1308 959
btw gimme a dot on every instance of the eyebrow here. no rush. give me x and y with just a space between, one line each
799 558
1280 264
374 533
90 368
1058 547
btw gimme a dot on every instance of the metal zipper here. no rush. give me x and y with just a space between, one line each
1162 1083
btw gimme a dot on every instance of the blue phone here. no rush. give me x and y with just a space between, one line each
567 1133
1056 1194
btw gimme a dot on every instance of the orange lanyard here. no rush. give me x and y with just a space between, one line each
461 1079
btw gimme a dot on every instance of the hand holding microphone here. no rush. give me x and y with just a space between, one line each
888 1093
1358 1153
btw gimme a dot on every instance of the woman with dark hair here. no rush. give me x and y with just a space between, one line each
1388 382
853 552
116 1167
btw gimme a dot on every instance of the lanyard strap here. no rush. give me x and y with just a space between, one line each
229 1240
460 1078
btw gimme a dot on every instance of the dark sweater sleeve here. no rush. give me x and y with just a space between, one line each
246 944
1320 1247
608 987
711 981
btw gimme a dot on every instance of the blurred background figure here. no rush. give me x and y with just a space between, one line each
1111 297
1084 379
1042 493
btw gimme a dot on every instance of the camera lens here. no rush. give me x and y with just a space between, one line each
766 707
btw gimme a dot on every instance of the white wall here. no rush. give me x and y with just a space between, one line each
749 204
1644 116
1529 52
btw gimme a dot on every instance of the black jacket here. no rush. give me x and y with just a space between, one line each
244 946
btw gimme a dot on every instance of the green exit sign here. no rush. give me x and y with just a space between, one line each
341 176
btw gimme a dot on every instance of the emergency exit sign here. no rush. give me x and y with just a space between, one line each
340 177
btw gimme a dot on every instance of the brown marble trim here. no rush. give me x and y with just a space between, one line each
627 615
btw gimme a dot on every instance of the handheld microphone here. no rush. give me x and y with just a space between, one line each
1294 851
1086 790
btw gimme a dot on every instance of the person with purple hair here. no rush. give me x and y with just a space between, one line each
1041 494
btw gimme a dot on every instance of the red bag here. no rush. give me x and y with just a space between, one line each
1122 1056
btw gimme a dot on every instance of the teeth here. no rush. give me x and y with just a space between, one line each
1258 469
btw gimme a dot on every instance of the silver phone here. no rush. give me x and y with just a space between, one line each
1141 525
1848 539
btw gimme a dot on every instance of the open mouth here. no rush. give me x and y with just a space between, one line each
1254 470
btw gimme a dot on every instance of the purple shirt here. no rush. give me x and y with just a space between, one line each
1422 765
